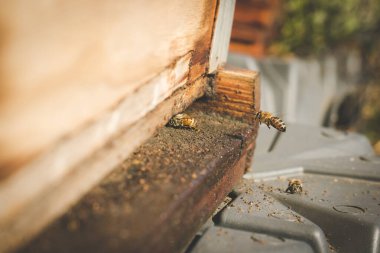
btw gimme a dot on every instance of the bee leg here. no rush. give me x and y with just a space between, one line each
268 125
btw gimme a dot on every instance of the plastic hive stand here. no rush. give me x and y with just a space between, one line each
338 210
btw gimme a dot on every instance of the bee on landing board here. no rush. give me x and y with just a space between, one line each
294 186
183 120
270 120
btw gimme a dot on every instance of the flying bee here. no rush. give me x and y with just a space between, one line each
183 120
294 186
270 120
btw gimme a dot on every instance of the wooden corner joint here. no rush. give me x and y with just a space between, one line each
235 92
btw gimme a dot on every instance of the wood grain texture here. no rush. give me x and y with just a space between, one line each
235 92
64 64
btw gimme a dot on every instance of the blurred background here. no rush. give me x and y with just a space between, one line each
319 60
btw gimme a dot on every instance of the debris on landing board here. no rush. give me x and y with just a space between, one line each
157 199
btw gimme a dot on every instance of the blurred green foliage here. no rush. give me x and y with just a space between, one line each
318 27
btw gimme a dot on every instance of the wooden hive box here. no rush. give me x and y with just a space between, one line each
84 84
254 26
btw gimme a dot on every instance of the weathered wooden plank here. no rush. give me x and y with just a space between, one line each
64 65
157 199
21 217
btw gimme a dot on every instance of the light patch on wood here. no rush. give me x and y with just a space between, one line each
64 63
222 34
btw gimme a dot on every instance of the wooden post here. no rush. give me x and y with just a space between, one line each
222 35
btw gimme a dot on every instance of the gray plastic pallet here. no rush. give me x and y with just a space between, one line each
338 211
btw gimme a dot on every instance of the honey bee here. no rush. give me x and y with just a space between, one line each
183 120
294 186
270 120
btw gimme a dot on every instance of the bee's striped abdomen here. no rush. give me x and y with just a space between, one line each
268 119
277 123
